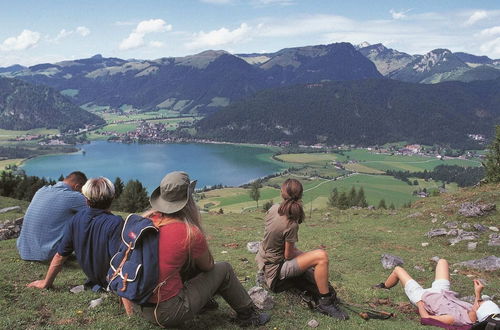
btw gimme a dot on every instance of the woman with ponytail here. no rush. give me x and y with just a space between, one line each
284 266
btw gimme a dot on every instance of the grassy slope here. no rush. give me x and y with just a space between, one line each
354 239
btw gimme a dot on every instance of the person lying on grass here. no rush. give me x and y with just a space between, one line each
284 266
438 302
93 234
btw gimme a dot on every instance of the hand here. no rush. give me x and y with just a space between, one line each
478 288
40 284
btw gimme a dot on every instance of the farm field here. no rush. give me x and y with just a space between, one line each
9 134
353 239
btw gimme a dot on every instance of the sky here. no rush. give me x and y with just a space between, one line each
47 31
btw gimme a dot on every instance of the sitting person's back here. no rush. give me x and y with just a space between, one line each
93 234
47 215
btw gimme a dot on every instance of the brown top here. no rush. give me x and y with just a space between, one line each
278 230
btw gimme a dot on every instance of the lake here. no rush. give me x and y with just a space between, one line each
210 164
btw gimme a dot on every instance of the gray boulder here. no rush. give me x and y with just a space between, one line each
471 246
10 229
464 236
490 263
389 261
494 240
437 232
261 298
479 227
451 225
10 209
313 323
469 209
466 225
253 247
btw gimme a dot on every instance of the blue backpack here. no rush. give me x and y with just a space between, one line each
134 268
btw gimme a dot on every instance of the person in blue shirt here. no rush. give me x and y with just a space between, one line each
94 234
50 210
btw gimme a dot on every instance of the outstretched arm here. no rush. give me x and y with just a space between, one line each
448 319
54 269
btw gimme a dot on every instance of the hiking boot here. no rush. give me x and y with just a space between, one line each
211 305
381 285
252 317
329 307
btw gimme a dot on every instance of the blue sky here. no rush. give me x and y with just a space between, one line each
37 31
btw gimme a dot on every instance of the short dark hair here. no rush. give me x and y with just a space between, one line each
77 177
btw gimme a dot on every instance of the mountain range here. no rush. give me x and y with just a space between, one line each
362 112
25 106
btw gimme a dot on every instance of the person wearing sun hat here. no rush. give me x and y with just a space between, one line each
182 245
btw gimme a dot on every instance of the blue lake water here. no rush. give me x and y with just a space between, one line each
210 164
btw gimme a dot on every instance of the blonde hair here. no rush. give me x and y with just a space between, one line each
99 192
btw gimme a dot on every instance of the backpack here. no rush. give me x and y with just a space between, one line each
134 268
492 322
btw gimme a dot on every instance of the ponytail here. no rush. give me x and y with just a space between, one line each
291 207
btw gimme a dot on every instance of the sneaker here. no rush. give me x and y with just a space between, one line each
252 317
381 285
211 305
328 307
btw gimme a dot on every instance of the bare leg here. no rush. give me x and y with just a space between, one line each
319 260
442 270
397 275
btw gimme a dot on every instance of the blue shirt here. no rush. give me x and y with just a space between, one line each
95 236
43 226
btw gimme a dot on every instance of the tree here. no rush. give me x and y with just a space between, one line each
381 204
61 178
343 202
392 207
415 182
361 199
352 197
134 197
334 198
492 164
118 187
255 191
267 205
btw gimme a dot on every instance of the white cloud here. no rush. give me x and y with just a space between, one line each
157 44
476 17
136 37
217 2
398 14
491 47
83 31
491 31
62 34
26 39
219 37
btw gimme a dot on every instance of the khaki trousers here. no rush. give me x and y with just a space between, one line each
195 294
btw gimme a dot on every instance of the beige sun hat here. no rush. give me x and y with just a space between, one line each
173 193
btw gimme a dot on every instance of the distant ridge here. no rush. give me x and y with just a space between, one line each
25 106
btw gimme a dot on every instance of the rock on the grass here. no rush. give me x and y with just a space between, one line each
479 227
261 297
464 236
424 244
94 303
469 209
313 323
490 263
436 232
419 268
494 240
415 215
451 225
11 229
10 209
435 258
466 225
471 246
77 289
493 228
389 261
253 247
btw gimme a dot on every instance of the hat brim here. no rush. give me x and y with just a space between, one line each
167 207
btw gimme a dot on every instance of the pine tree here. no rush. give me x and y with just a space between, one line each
343 202
134 197
61 178
492 164
352 197
333 200
392 207
361 199
118 187
381 204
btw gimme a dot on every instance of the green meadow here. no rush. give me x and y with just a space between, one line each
354 240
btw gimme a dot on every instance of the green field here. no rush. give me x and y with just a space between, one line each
353 239
10 134
309 158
